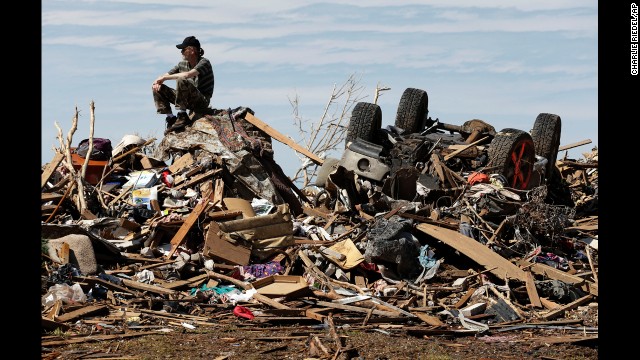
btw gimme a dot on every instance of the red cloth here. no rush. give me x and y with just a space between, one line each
477 177
242 311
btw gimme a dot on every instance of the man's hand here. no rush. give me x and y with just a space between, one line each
156 84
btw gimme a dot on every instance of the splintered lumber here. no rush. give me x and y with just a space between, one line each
501 267
180 283
572 305
99 338
576 144
51 167
178 316
83 311
181 163
532 291
548 304
429 319
282 138
106 284
147 287
198 179
456 152
557 274
355 308
46 197
180 235
463 300
566 339
51 325
316 341
315 212
333 333
223 214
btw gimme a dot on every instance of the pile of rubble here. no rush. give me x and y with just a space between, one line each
222 234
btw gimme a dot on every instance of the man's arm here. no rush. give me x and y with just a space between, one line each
164 77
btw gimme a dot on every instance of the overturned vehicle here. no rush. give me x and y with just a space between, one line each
423 160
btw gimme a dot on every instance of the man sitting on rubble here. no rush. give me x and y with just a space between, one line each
194 86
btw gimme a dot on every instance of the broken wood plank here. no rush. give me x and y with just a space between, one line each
565 339
54 311
548 304
577 165
355 308
83 311
463 300
46 197
268 301
502 268
557 274
91 338
575 144
282 138
123 192
180 235
456 152
181 163
147 287
218 191
429 319
315 212
52 326
151 163
570 306
180 283
534 299
316 341
106 284
223 214
50 168
312 314
198 179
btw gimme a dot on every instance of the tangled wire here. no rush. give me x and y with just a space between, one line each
542 219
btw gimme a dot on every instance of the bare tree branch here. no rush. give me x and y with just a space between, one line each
327 134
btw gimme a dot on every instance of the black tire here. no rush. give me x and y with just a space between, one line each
512 154
328 166
366 120
412 110
546 139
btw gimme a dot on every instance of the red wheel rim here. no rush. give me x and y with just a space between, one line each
522 165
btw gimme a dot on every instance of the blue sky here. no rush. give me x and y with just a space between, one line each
503 62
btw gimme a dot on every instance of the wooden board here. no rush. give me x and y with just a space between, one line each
532 291
282 138
476 251
198 179
51 167
178 238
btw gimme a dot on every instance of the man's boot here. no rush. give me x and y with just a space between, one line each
182 120
170 120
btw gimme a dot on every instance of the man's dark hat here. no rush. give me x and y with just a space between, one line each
189 41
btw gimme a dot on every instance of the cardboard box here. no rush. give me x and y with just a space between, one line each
282 285
218 247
